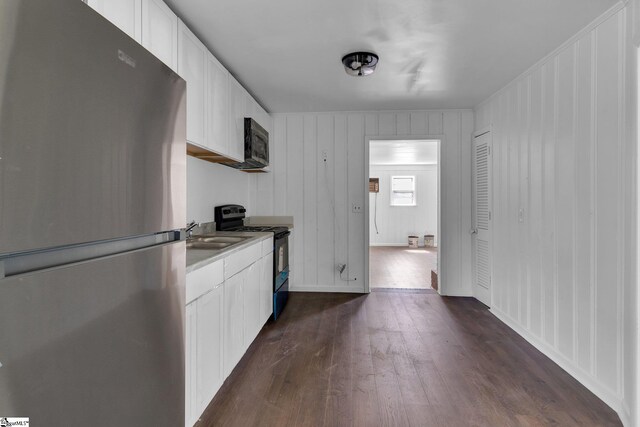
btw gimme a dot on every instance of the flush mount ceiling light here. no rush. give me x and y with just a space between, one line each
360 63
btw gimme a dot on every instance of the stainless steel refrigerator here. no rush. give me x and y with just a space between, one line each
92 200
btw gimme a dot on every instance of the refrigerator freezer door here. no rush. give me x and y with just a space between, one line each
100 343
92 130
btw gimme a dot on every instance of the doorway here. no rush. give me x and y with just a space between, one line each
403 213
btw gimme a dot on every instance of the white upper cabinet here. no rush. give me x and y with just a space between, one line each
251 107
160 31
264 119
216 102
218 106
124 14
257 113
192 64
237 111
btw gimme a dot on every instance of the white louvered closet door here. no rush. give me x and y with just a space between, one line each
482 230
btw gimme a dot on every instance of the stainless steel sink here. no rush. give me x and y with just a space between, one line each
213 242
207 245
217 239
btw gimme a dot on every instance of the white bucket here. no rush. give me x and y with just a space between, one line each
429 240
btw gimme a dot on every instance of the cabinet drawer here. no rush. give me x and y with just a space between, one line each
203 280
237 262
267 246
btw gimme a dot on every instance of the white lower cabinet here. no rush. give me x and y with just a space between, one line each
210 374
203 339
191 351
225 312
233 319
252 320
266 286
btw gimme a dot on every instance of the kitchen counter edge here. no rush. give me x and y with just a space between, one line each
198 258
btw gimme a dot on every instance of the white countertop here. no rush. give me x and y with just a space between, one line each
198 258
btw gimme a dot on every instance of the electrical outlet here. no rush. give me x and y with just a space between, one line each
356 208
324 155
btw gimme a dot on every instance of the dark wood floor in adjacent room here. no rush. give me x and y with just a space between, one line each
398 358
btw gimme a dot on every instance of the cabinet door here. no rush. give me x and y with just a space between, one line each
266 288
233 319
124 14
251 107
160 31
237 106
263 118
210 374
191 332
218 103
252 322
192 56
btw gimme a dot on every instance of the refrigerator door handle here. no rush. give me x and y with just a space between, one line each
33 261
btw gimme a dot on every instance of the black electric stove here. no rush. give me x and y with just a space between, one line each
231 218
277 230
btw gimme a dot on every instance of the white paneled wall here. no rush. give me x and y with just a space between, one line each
395 223
319 194
631 336
561 153
210 185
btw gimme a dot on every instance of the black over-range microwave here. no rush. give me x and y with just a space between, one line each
256 146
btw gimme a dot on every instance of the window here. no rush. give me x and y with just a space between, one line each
403 191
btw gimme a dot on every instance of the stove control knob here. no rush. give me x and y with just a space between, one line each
243 210
226 211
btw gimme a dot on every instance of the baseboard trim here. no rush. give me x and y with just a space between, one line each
596 387
399 245
455 294
338 289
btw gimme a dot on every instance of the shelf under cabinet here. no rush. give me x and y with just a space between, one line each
213 157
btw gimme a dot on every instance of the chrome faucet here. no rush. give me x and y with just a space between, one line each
189 230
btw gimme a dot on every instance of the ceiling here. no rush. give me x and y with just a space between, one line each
433 53
404 152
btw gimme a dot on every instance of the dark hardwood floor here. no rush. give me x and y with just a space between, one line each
398 358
